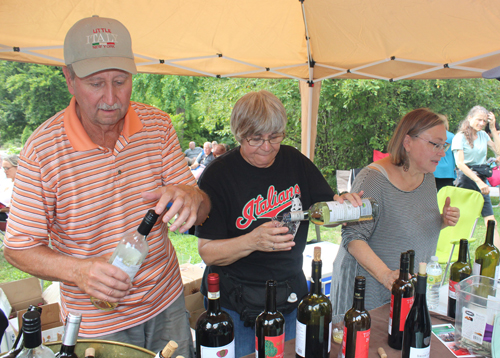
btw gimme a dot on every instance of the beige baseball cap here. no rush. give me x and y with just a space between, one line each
97 43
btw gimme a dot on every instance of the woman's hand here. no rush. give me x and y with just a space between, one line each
268 238
388 277
450 214
492 121
353 198
485 189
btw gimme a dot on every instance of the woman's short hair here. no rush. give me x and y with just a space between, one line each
257 113
412 124
12 159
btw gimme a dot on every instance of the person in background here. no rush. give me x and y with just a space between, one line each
204 158
192 153
248 186
214 143
405 190
218 150
9 166
445 174
470 147
86 177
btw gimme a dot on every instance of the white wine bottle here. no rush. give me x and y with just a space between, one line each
129 254
417 331
487 258
333 212
314 318
32 332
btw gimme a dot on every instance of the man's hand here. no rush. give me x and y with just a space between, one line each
190 203
101 280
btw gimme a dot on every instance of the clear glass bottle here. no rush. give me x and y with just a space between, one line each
70 336
32 332
333 212
129 254
434 277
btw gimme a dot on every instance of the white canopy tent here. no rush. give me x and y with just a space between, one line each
307 40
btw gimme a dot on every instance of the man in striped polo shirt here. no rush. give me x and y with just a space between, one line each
86 177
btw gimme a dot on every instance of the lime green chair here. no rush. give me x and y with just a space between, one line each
470 203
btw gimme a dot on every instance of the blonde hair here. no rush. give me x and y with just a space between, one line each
257 113
412 124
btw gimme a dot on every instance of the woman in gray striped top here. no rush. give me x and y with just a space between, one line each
409 218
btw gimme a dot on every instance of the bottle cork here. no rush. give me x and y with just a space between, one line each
422 267
169 349
90 353
317 253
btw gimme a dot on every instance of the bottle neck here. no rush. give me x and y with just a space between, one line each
316 277
490 233
32 339
358 302
403 271
421 289
462 254
213 302
271 298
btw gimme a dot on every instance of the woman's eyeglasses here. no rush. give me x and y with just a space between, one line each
437 147
257 142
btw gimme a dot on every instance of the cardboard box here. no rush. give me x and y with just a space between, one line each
191 278
52 327
23 293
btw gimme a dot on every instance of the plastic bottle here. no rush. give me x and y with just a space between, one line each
434 276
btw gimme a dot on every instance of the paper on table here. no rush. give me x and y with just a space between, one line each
446 334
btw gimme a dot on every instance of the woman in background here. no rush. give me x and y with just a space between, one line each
470 147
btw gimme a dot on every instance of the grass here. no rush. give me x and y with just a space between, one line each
188 245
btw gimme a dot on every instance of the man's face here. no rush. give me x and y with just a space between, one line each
191 145
207 148
103 97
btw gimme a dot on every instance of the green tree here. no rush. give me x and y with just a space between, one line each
29 94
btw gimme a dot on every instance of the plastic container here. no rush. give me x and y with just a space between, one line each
478 301
434 275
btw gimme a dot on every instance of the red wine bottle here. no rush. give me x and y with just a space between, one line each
214 328
357 323
270 327
401 302
459 271
314 318
417 331
411 270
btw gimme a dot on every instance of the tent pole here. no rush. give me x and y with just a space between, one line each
309 119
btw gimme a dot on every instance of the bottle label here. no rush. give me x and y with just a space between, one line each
434 280
213 295
391 313
451 290
497 272
476 269
300 339
406 304
330 337
130 270
473 325
346 211
274 346
226 351
362 344
420 352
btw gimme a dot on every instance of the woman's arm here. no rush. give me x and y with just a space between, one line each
265 237
369 260
459 160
